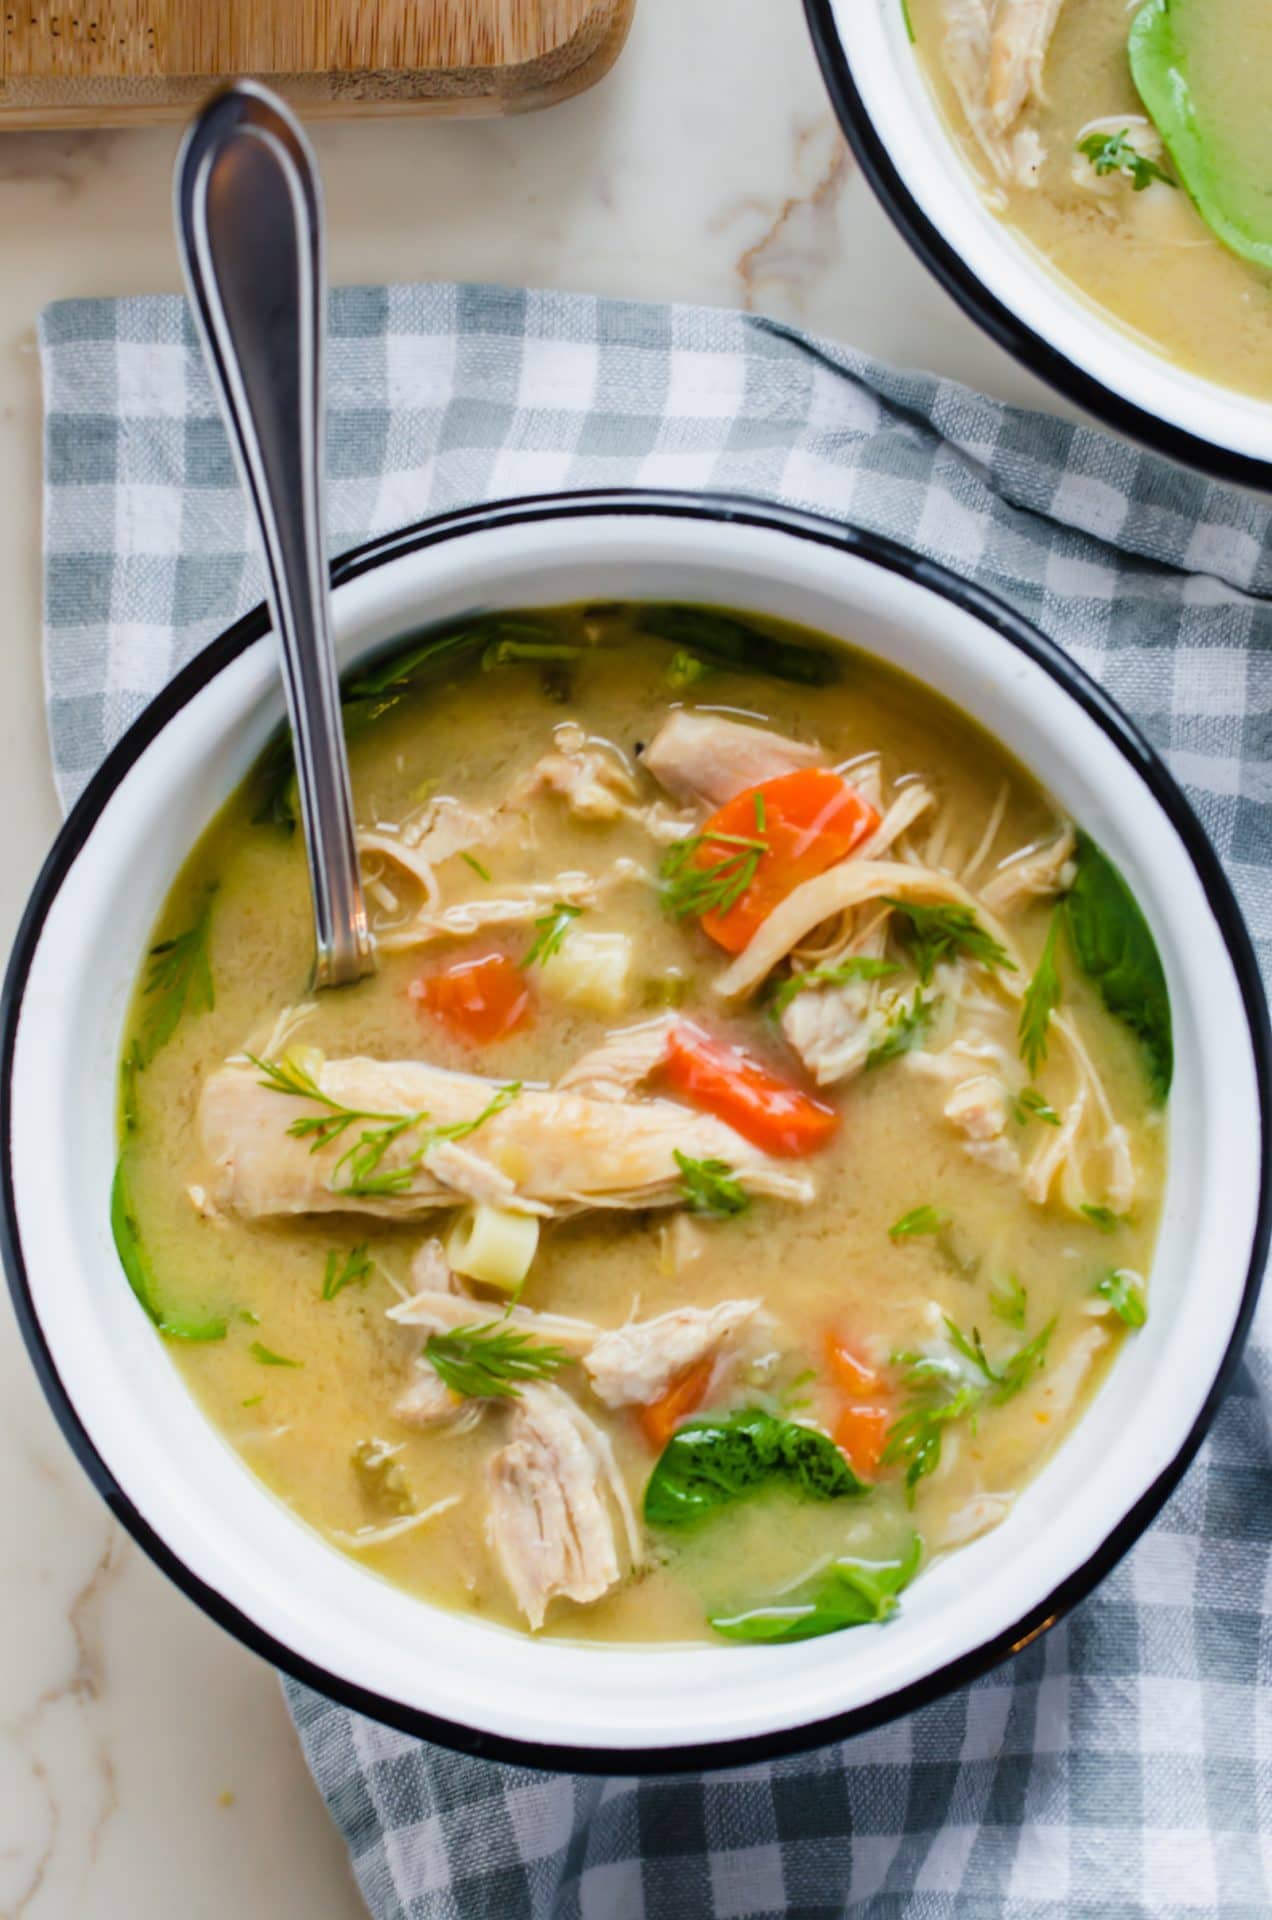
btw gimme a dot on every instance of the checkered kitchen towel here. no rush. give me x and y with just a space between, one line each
1121 1767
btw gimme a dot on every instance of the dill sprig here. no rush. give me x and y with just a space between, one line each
840 973
936 933
690 888
906 1029
710 1186
1042 997
550 931
940 1394
488 1361
356 1266
178 980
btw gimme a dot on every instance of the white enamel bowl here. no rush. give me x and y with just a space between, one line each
892 123
240 1552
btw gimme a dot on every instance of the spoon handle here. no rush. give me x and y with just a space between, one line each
250 231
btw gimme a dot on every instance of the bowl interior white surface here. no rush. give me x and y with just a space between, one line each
886 72
246 1546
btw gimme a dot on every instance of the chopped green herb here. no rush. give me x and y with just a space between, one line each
268 1358
1125 1295
710 1186
909 24
761 811
550 931
509 653
858 966
933 934
919 1220
685 670
1009 1301
178 980
248 1317
1104 1218
939 1396
906 1029
1115 153
690 890
254 1400
489 1361
471 860
848 1593
1031 1105
289 1075
709 1463
1042 997
341 1273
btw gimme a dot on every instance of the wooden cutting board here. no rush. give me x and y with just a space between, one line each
98 62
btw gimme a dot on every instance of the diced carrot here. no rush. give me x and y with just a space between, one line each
477 1000
849 1371
659 1420
860 1434
797 825
768 1111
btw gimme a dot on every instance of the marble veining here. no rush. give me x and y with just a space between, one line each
147 1767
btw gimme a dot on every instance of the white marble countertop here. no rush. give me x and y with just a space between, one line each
147 1766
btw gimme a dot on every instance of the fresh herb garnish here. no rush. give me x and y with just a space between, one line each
906 1029
1115 948
1123 1291
507 653
848 1593
178 980
710 1186
935 933
471 860
1032 1105
839 973
690 889
1114 153
920 1220
1104 1218
550 931
268 1358
1042 997
355 1266
136 1265
491 1360
1009 1301
940 1395
709 1463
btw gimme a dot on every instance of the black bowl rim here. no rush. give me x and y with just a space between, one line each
992 315
719 508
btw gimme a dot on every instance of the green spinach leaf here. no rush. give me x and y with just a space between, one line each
722 640
709 1463
850 1593
1115 949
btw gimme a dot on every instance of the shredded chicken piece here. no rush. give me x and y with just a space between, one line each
977 1516
591 776
850 884
978 1107
367 1537
636 1364
515 905
704 757
429 1402
1054 1152
1034 873
681 1241
980 853
563 1150
549 1525
1059 1386
434 1310
431 1270
994 51
623 1061
410 863
831 1029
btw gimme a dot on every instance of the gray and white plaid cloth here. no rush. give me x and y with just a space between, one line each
1121 1767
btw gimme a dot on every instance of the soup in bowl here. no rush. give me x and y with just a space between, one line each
1086 178
744 1237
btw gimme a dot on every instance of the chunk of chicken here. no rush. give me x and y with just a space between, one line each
590 776
434 1310
1059 1386
636 1364
1018 50
1033 874
975 1517
561 1151
549 1524
994 51
623 1061
980 1108
428 1401
704 757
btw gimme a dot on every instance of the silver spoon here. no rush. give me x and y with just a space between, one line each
249 229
